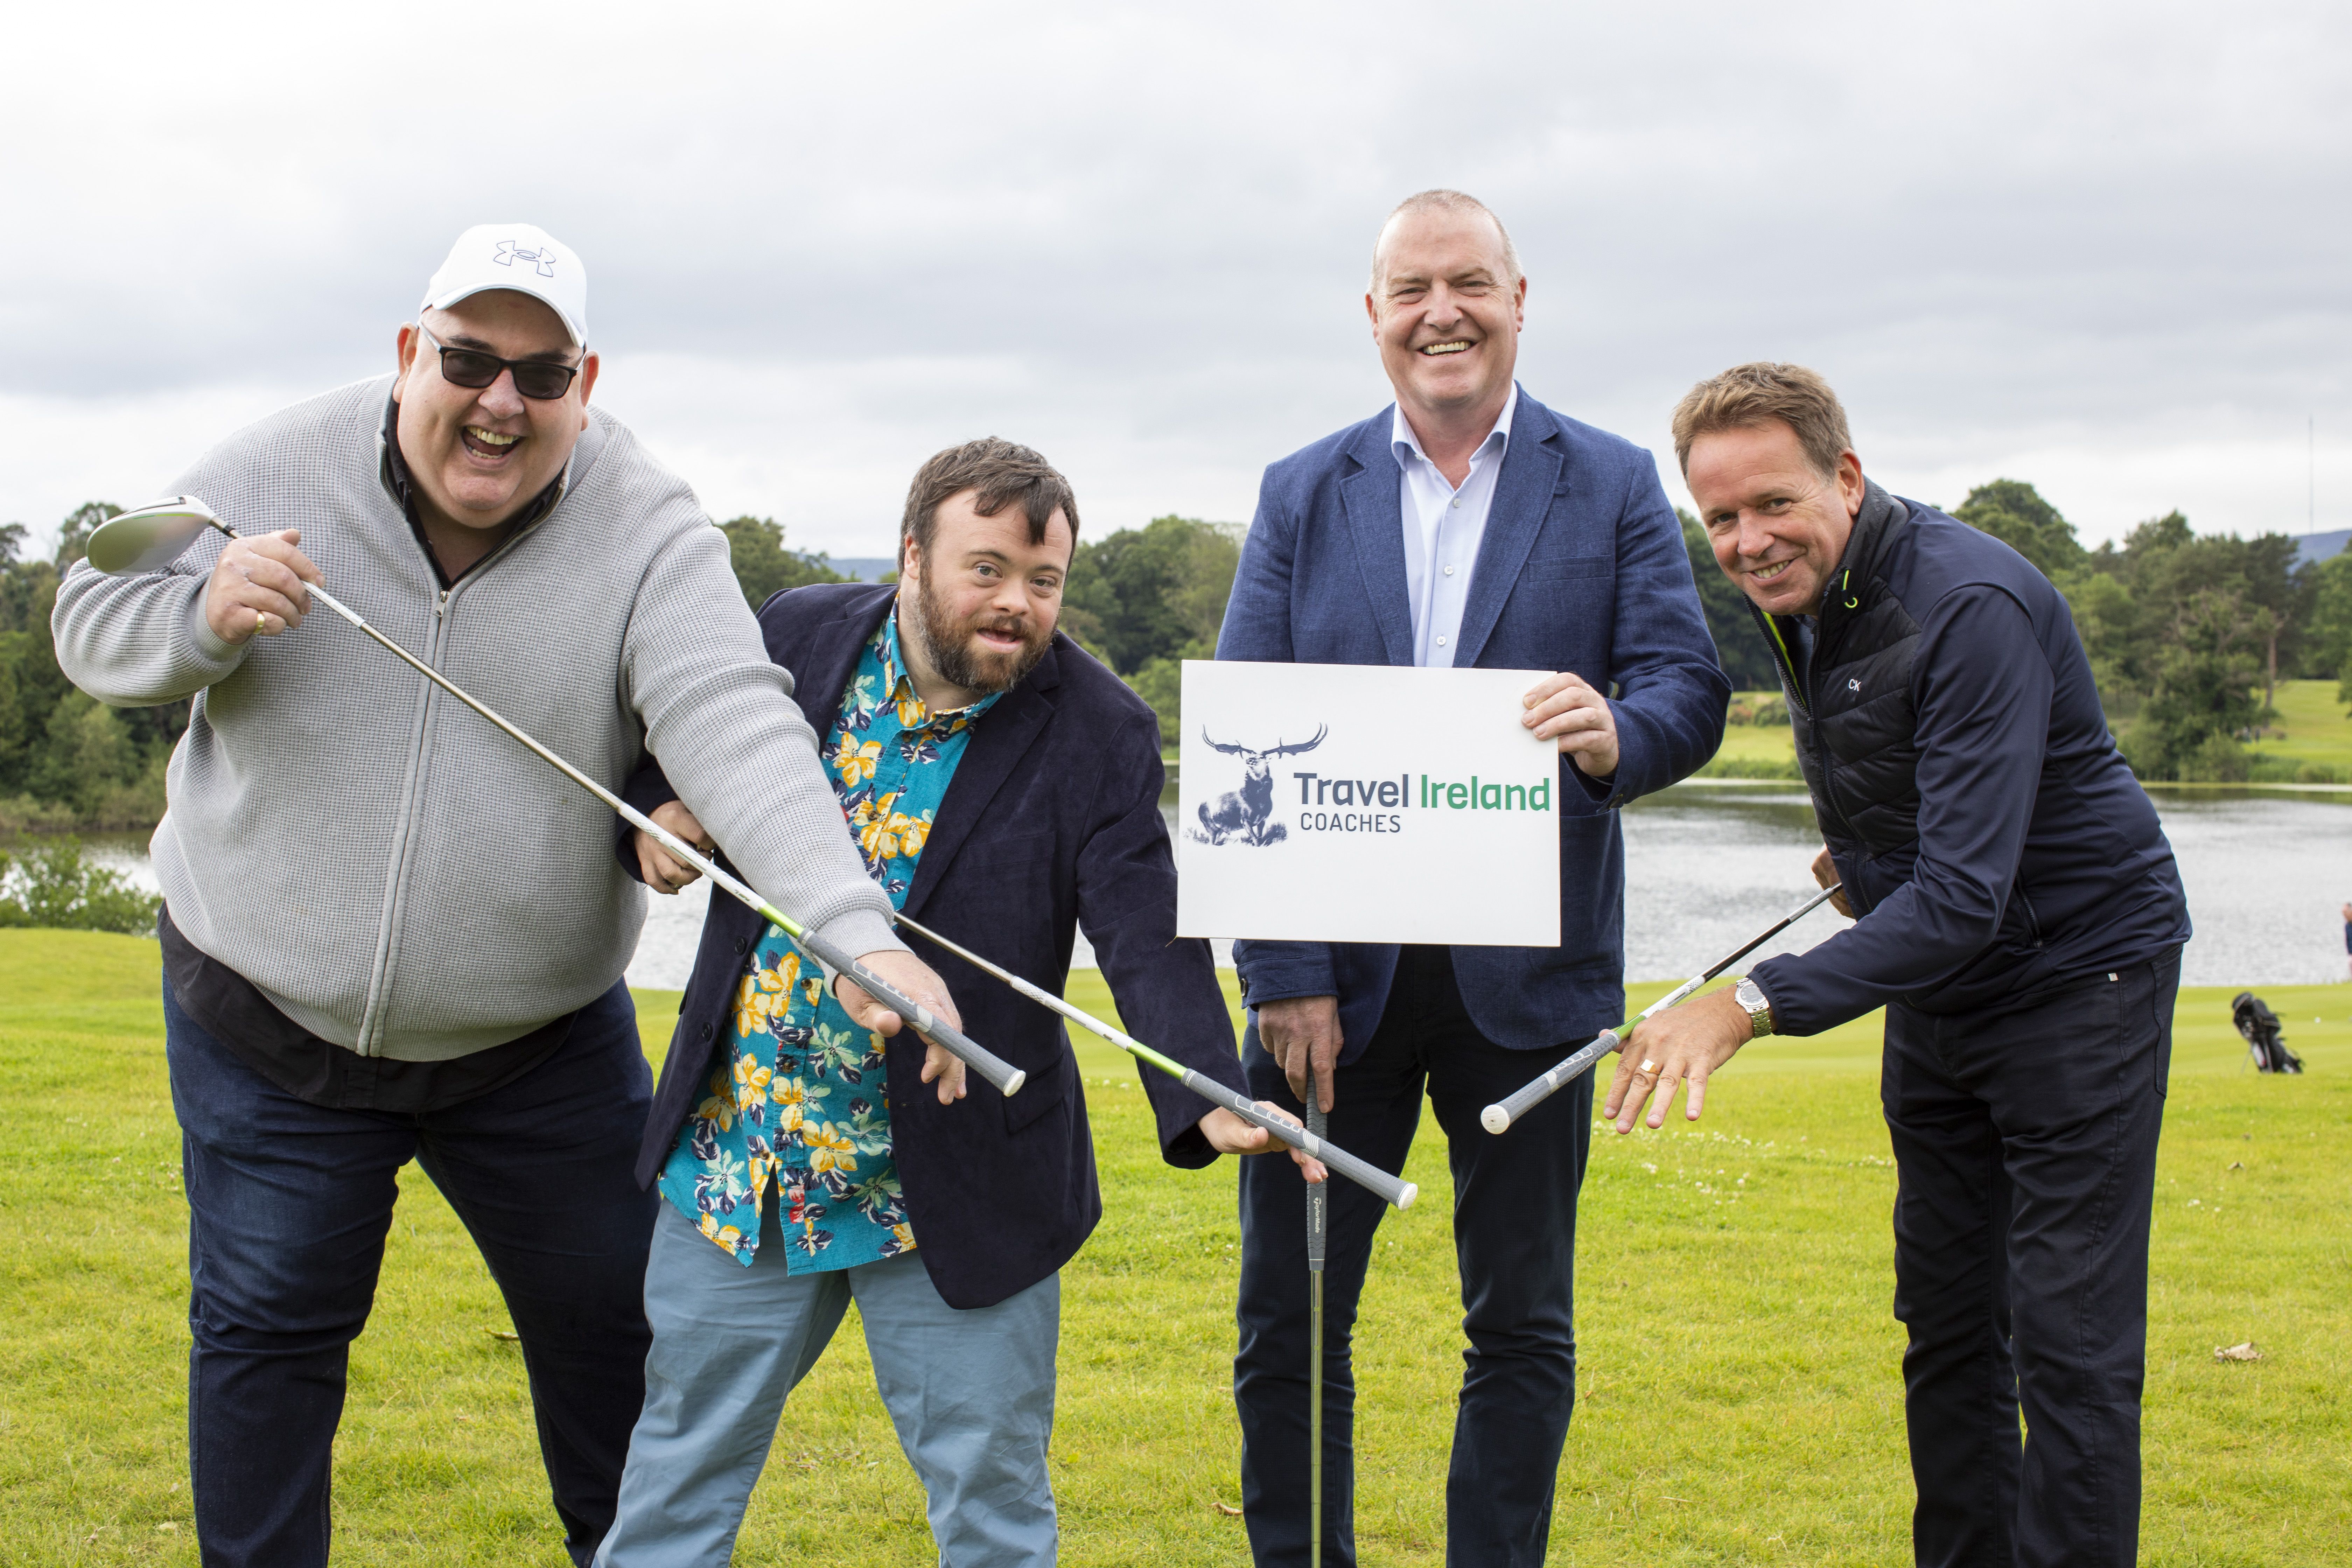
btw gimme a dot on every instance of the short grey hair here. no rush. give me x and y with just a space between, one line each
1443 200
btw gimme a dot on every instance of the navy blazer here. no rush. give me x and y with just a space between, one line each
1052 819
1582 568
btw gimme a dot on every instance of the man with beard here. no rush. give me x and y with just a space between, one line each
1004 786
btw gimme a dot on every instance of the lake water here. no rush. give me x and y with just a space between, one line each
1708 866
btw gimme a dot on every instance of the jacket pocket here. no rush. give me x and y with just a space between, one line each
1566 568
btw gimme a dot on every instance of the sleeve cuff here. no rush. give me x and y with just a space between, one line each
222 656
860 932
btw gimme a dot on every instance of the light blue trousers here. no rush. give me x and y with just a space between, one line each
970 1393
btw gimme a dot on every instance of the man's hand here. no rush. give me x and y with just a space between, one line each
1229 1134
1826 874
914 981
1302 1035
1681 1045
663 871
1562 708
258 586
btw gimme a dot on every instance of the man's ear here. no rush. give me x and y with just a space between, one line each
1850 483
404 344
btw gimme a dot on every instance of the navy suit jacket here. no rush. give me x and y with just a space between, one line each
1582 568
1052 819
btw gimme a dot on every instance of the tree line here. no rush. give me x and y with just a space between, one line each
2189 635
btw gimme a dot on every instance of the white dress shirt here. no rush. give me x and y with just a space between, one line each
1442 526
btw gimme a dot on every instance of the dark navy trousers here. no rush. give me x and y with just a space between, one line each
1514 1246
289 1206
2025 1153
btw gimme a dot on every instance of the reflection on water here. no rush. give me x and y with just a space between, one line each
1709 866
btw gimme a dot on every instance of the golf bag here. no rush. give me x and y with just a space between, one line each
2260 1026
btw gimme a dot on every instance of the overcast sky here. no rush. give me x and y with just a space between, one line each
2100 248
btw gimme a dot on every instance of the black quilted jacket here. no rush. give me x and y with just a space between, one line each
1992 841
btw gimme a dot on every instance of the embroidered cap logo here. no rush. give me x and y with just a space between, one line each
509 253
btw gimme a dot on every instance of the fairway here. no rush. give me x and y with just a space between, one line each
2315 728
1739 1399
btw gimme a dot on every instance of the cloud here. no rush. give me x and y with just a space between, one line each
824 242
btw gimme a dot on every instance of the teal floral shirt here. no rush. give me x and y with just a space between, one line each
801 1101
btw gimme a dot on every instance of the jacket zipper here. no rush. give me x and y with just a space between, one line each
1803 699
436 638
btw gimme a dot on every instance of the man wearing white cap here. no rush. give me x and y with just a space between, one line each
390 934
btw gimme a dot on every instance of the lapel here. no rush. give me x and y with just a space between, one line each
1523 498
834 649
1372 499
999 740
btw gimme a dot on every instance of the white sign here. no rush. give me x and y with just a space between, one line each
1365 803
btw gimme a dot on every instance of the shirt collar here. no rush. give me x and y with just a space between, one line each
1407 446
894 676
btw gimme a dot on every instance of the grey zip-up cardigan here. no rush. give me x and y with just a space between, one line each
394 873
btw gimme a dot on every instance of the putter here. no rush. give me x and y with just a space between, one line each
1371 1177
153 536
1498 1118
1318 1203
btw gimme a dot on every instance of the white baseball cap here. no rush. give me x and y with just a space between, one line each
518 255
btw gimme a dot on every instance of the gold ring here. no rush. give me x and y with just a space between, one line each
1647 1066
261 620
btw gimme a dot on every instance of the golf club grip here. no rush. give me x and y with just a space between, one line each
1007 1078
1498 1118
1318 1201
1371 1177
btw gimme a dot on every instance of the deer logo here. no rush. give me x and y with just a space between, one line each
1245 812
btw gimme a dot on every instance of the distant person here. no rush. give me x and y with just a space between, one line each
2347 937
1465 524
390 932
2018 915
1004 787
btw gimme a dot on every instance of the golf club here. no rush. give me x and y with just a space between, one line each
1498 1118
1371 1177
153 536
1319 1208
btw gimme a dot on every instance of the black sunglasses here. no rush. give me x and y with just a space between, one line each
474 370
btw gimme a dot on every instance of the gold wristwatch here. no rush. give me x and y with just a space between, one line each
1750 996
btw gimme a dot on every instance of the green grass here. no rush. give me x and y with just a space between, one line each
1739 1400
2316 729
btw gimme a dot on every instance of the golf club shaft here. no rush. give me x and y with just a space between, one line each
1318 1209
1390 1189
996 1070
1498 1118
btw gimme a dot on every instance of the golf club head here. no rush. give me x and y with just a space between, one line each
150 538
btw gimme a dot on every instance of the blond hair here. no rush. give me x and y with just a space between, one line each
1763 393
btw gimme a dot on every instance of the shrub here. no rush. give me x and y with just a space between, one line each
55 886
2217 759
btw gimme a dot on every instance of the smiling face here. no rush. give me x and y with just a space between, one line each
1447 313
984 599
479 457
1777 524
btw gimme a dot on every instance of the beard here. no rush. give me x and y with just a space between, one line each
957 653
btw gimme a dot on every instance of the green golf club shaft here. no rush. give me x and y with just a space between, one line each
1498 1118
1390 1189
930 1026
